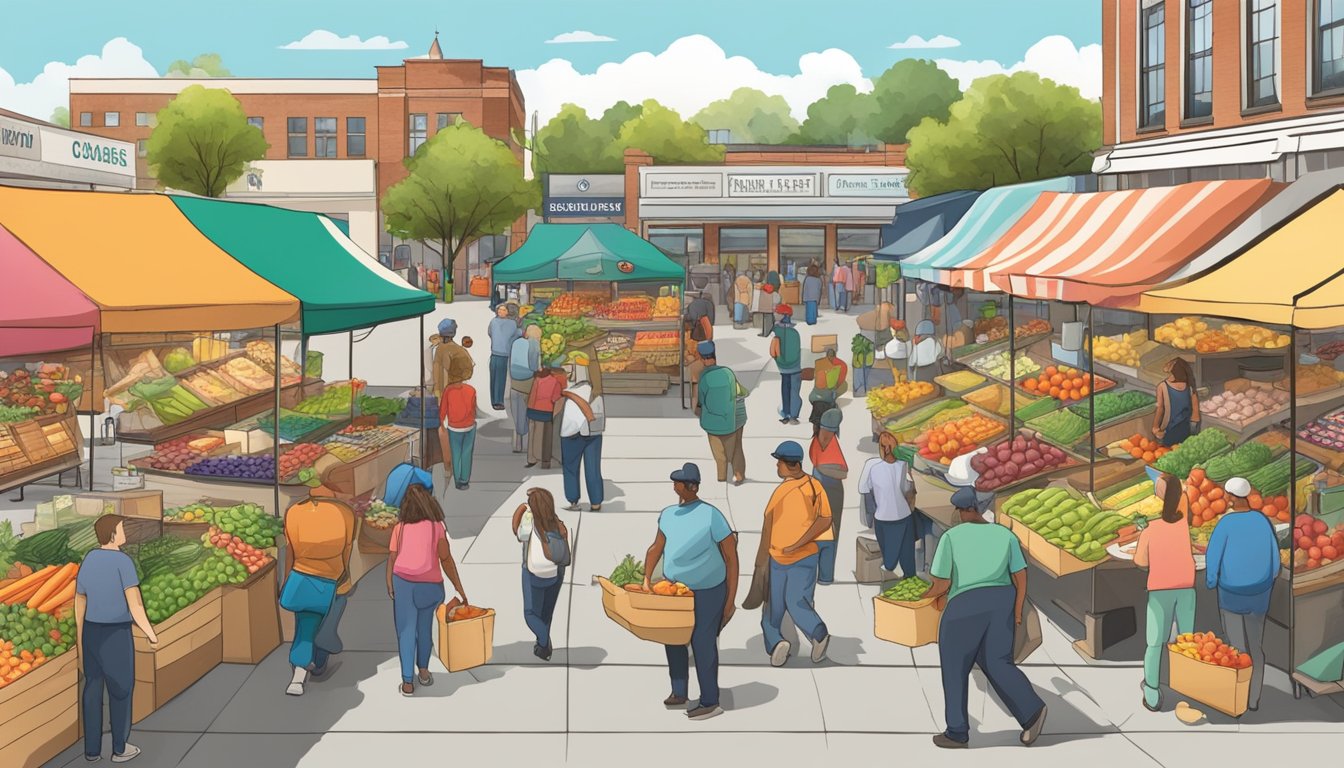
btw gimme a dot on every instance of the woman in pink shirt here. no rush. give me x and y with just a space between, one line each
419 549
1164 549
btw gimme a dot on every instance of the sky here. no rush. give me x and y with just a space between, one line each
590 52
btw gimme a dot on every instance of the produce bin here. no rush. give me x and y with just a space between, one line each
1054 560
39 713
250 617
1223 688
190 645
662 619
373 541
145 505
909 624
467 643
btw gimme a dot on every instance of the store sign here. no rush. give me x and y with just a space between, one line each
772 185
20 140
866 185
602 185
683 185
559 207
91 152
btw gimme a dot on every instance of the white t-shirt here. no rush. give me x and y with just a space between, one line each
572 420
533 553
888 484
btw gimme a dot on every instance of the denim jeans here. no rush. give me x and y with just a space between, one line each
842 297
108 654
790 391
860 379
835 496
792 590
327 642
413 606
740 313
709 605
833 290
1246 633
314 603
463 445
518 412
896 540
585 450
977 630
810 310
1165 607
539 599
499 378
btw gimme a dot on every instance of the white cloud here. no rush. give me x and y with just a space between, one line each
691 73
1054 57
581 36
938 41
322 40
51 87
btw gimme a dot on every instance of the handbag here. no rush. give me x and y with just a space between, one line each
1027 635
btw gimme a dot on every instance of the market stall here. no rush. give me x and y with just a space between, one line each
918 225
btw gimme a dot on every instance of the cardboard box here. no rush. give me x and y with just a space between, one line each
252 440
127 479
146 505
659 619
867 560
467 643
373 541
190 645
1056 561
1223 688
909 624
39 713
251 617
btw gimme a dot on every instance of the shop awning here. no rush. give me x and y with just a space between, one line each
599 252
922 222
40 311
340 286
1291 277
141 262
992 214
1106 248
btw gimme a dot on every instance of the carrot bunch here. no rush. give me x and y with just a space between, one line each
45 590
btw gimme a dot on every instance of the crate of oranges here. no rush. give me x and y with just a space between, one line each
1137 446
1064 383
1210 671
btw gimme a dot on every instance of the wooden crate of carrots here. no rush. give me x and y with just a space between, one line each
39 705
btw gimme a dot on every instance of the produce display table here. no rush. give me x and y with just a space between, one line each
191 643
39 713
56 447
221 415
250 614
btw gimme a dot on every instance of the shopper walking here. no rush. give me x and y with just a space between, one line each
797 514
843 280
787 352
1242 562
980 573
742 289
722 412
767 303
546 550
830 469
524 362
811 293
457 424
452 362
319 537
419 550
726 278
583 418
547 386
107 603
887 488
327 641
830 380
503 331
1164 549
699 549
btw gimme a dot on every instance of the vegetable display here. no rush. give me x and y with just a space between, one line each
1273 478
1111 405
382 407
334 399
863 354
31 639
1239 462
50 389
167 593
249 522
922 416
1127 496
960 381
1069 523
298 457
1196 449
233 466
293 427
888 401
1316 544
907 590
1138 447
995 364
1013 460
380 516
628 571
1207 648
1035 408
250 557
1061 427
1064 383
944 443
45 548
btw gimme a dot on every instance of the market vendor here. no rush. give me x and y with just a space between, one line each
1177 415
829 381
452 362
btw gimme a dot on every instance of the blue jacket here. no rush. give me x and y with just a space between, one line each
1242 562
502 332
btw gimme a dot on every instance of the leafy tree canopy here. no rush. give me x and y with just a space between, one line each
662 133
60 116
202 142
843 116
752 116
205 65
908 92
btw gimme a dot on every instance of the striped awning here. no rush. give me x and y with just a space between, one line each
1106 248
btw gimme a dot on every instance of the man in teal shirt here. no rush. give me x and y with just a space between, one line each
980 575
716 403
787 351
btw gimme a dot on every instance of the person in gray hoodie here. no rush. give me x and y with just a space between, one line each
503 331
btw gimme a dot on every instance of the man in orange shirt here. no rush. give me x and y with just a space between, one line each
457 424
797 515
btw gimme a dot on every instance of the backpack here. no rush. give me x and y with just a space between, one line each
519 370
595 405
556 549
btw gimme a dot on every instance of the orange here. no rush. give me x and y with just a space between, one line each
1084 390
1136 453
1054 391
1057 379
1149 457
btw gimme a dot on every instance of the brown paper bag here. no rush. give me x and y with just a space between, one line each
1027 635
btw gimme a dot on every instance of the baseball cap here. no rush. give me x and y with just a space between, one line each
1238 486
925 328
964 498
784 309
447 327
689 473
401 477
830 420
789 451
705 348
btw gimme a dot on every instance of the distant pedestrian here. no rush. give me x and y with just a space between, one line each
887 488
742 289
546 550
830 380
726 278
107 603
698 548
457 423
980 575
1164 549
524 362
547 386
583 418
787 352
699 319
767 302
811 290
842 280
722 414
452 362
860 269
503 331
830 469
319 538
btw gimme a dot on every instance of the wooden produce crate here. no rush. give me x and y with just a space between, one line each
145 505
39 713
1054 560
251 617
467 643
190 645
1019 529
1223 688
373 541
662 619
909 624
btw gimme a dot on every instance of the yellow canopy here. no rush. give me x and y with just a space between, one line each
142 262
1292 277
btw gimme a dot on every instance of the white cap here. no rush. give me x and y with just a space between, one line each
1238 486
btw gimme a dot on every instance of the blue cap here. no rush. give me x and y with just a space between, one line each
689 473
789 451
705 348
965 498
401 477
925 328
830 420
447 327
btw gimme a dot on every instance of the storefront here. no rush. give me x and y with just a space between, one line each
38 154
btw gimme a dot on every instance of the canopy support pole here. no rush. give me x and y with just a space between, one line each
1292 492
1012 362
350 373
275 422
1091 408
93 411
681 312
420 387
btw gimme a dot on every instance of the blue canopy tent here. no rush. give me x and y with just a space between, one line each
920 223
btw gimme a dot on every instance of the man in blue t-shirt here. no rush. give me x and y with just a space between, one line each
699 549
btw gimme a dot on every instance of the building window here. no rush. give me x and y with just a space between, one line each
419 132
141 147
112 119
146 119
1152 66
800 248
324 137
257 122
85 119
354 137
720 136
684 245
446 119
1328 72
298 136
1199 59
1262 53
746 249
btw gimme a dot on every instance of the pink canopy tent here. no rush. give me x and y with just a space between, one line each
40 311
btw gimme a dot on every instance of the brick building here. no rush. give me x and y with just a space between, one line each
1203 89
336 145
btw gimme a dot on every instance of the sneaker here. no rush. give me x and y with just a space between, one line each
793 422
780 654
674 701
463 486
498 406
295 685
93 758
317 673
543 653
127 755
530 465
947 742
819 649
704 713
1033 729
594 507
573 506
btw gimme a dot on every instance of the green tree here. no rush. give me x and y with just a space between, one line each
202 142
618 114
573 142
1006 129
60 116
842 116
908 92
463 185
205 65
751 116
662 133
